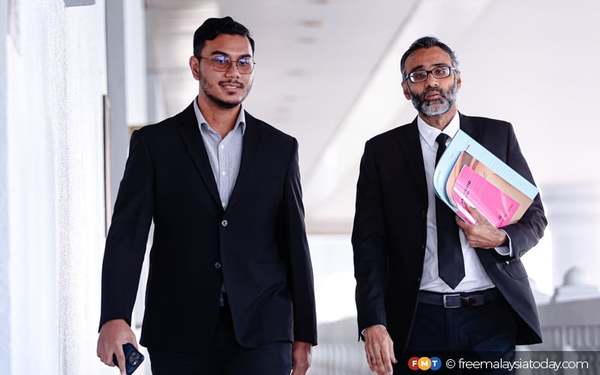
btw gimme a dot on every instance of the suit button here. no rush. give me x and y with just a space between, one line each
224 223
217 265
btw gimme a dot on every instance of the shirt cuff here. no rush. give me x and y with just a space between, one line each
505 250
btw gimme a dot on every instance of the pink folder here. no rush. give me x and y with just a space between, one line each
475 191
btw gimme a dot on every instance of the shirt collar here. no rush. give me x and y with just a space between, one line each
240 122
429 133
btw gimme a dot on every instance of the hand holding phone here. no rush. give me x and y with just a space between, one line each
133 358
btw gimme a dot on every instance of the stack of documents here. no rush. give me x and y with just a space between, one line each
468 174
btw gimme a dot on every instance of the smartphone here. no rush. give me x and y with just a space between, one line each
133 358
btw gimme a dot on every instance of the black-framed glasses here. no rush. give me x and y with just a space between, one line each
222 63
438 72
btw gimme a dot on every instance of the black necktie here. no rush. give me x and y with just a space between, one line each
451 266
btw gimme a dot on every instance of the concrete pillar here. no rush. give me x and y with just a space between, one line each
117 93
4 277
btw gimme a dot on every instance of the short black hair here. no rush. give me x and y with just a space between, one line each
428 42
213 27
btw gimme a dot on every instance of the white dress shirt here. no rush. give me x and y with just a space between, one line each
224 153
476 277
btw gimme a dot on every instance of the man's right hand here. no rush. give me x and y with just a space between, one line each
113 334
379 349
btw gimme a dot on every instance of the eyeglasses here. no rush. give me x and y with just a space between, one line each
222 63
438 72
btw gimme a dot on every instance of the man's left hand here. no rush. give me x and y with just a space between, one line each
301 357
482 234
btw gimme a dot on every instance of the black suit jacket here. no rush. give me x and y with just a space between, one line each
257 247
389 231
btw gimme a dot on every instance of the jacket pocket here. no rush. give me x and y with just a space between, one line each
515 269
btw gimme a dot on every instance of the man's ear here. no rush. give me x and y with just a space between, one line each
458 80
195 67
406 91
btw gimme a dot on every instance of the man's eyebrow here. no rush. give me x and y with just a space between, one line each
416 68
433 65
218 52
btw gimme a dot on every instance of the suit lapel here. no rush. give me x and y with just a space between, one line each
411 146
190 134
468 126
248 163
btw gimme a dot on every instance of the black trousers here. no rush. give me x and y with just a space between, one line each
486 332
227 356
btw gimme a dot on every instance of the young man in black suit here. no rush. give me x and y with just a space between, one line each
230 288
427 282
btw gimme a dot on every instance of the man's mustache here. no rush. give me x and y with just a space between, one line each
233 83
437 91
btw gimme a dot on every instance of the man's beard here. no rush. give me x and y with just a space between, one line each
435 107
224 104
